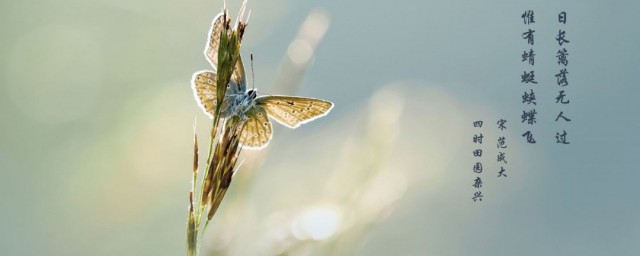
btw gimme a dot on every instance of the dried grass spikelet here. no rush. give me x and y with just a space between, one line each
221 170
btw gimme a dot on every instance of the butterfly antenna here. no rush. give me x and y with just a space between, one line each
253 77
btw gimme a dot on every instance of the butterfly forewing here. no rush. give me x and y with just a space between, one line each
257 129
204 89
238 82
213 42
294 111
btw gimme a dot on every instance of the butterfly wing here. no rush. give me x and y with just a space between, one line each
203 84
294 111
257 129
213 41
238 83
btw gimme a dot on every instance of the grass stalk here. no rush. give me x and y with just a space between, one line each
224 141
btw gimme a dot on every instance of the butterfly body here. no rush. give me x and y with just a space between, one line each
290 111
239 104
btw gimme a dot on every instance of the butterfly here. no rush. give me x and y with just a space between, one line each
290 111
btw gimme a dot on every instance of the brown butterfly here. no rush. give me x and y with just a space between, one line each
290 111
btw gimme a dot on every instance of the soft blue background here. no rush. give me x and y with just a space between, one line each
97 115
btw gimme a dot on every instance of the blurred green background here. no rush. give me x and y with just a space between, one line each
97 125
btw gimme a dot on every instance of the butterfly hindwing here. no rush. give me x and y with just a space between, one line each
294 111
257 129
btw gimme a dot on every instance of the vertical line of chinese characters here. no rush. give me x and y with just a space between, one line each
528 76
477 167
561 76
502 146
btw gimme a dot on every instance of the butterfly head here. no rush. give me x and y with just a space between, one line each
252 94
